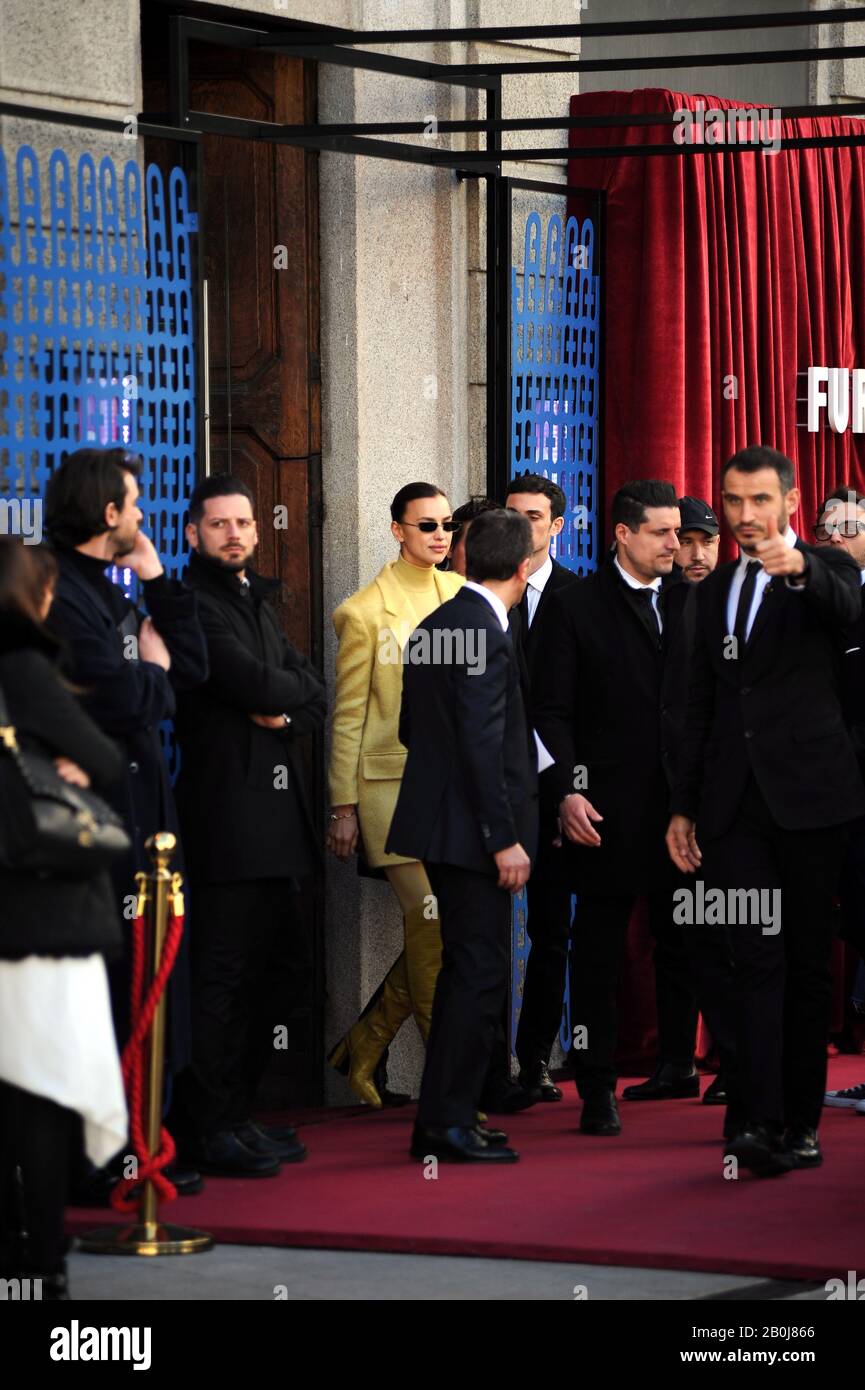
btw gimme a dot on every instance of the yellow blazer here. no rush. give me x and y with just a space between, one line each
367 758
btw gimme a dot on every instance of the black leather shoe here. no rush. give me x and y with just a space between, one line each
506 1098
186 1179
457 1145
492 1136
666 1083
537 1080
284 1150
226 1156
278 1133
600 1114
803 1146
716 1094
757 1149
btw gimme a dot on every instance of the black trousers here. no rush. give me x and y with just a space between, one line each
853 888
780 996
549 919
600 929
475 916
236 933
35 1135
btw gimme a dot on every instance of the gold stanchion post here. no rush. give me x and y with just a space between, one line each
150 1236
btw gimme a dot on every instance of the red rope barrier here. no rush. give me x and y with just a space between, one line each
133 1066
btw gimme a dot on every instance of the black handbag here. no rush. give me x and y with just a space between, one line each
47 825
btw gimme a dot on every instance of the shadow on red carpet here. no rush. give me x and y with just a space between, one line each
656 1197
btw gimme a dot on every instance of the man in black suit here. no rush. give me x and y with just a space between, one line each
598 711
467 808
548 892
767 783
675 1075
248 833
841 522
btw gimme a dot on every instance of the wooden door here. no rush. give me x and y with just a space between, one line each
259 243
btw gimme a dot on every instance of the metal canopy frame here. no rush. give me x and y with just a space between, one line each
348 48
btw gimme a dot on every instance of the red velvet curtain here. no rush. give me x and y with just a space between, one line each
717 266
725 265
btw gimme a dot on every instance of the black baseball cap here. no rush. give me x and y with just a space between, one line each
697 515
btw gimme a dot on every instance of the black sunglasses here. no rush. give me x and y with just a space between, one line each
430 526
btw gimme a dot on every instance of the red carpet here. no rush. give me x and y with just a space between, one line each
655 1197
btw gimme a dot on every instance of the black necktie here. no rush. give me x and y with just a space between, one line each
743 607
643 598
524 612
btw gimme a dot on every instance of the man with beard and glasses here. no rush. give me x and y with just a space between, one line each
248 835
128 663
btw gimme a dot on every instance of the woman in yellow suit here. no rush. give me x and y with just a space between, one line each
367 761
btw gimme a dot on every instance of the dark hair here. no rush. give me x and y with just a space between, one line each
410 493
533 482
22 581
497 544
758 456
844 493
217 485
81 488
632 499
474 508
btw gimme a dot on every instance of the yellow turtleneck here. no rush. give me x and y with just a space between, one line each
419 586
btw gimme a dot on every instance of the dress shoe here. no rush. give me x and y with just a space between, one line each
716 1094
284 1150
278 1133
492 1136
226 1156
803 1146
457 1144
186 1179
537 1080
600 1114
667 1082
506 1098
91 1187
755 1147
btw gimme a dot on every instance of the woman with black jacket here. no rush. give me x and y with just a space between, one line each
58 1055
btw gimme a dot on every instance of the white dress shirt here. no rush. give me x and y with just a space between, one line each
544 758
655 587
763 579
535 587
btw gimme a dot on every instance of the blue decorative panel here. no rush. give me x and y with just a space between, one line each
555 396
97 328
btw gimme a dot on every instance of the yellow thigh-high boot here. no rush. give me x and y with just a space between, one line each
423 942
359 1052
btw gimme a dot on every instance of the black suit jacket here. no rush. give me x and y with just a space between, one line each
469 788
774 710
853 684
241 791
679 607
597 706
128 698
534 640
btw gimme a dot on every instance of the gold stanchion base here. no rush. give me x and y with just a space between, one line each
145 1238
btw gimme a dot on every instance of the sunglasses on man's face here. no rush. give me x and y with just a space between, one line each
430 526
